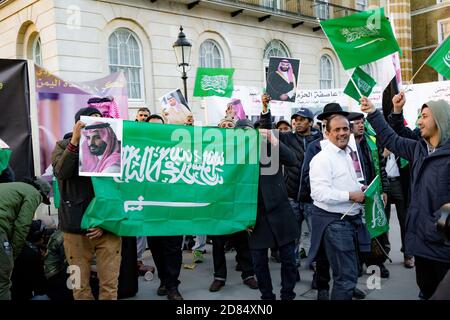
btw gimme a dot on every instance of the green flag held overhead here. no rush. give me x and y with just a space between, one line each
179 180
214 82
440 59
361 38
364 82
376 221
5 155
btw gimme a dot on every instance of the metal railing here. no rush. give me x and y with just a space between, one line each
306 8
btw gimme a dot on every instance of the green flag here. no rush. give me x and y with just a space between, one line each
376 221
364 82
214 82
440 59
361 38
179 180
5 155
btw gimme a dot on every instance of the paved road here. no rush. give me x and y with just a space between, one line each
195 283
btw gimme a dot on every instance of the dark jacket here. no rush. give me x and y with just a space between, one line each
304 193
18 204
298 144
76 192
368 165
430 189
275 221
7 175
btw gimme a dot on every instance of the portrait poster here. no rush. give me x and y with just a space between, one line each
282 78
355 159
174 107
100 147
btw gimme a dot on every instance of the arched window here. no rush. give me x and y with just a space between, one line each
211 55
326 73
275 48
125 55
37 51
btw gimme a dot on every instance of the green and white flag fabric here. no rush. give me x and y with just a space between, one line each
376 221
5 155
361 38
364 82
440 59
179 180
214 82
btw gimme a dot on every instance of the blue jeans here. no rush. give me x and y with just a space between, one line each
299 217
339 241
288 272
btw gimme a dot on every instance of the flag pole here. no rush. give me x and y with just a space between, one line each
351 78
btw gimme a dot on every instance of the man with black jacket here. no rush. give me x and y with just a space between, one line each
298 142
81 245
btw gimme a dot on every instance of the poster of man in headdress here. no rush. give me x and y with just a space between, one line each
282 78
100 147
174 108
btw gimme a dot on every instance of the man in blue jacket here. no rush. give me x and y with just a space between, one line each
430 186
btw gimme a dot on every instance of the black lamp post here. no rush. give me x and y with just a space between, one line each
182 49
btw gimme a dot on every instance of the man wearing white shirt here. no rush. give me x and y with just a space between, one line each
336 217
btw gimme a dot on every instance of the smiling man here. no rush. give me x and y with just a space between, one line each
336 216
429 158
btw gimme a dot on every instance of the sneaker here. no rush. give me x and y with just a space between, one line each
251 283
409 262
174 295
323 295
216 285
359 294
162 291
198 256
384 272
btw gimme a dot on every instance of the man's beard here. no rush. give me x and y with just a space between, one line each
284 69
97 150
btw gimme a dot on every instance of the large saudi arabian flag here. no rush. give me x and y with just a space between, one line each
361 38
179 180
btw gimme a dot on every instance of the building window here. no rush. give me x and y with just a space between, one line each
274 48
273 4
322 10
326 73
125 55
211 55
361 5
37 51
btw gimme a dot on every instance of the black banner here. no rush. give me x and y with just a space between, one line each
15 124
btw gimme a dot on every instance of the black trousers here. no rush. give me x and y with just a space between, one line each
429 273
167 255
322 272
396 197
239 241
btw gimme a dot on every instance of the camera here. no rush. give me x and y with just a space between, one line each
443 224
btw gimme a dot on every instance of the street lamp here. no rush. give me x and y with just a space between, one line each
182 49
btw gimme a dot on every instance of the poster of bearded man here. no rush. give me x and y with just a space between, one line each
100 147
282 78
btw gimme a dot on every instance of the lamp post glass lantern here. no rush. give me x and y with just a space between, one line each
182 48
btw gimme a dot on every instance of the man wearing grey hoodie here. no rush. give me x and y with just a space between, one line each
429 158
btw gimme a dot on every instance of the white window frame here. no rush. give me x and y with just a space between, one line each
141 65
321 79
219 48
274 4
441 38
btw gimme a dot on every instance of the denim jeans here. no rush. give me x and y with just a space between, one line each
339 241
288 272
306 210
299 217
